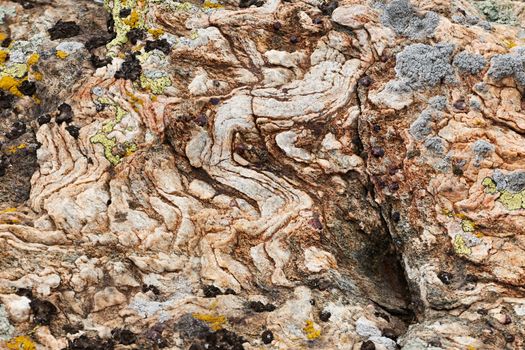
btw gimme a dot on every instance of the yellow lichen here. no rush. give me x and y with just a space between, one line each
21 343
8 83
13 149
62 54
132 20
310 330
511 201
33 59
155 85
468 226
460 247
8 210
3 56
212 5
215 322
156 32
3 36
38 76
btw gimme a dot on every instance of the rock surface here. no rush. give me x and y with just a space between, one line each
262 174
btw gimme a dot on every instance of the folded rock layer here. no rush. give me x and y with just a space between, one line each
262 174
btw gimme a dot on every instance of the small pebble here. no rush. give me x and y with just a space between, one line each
277 25
294 39
215 101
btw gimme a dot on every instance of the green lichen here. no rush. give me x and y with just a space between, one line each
136 19
510 200
111 144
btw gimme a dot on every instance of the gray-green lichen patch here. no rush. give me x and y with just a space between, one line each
401 16
511 188
509 65
424 66
498 11
6 11
469 62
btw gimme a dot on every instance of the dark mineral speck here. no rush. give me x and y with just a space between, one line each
63 30
124 336
65 114
43 311
257 306
215 101
98 62
97 41
43 119
509 338
90 343
267 337
72 328
18 129
162 45
124 13
460 105
6 100
328 7
73 131
294 39
248 3
324 316
210 291
201 120
396 216
393 187
130 69
378 152
389 333
6 42
28 88
149 287
368 345
445 277
365 81
317 20
135 34
277 25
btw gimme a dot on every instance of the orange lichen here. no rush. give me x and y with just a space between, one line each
21 343
310 331
215 321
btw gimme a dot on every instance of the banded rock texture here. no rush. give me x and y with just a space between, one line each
262 175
